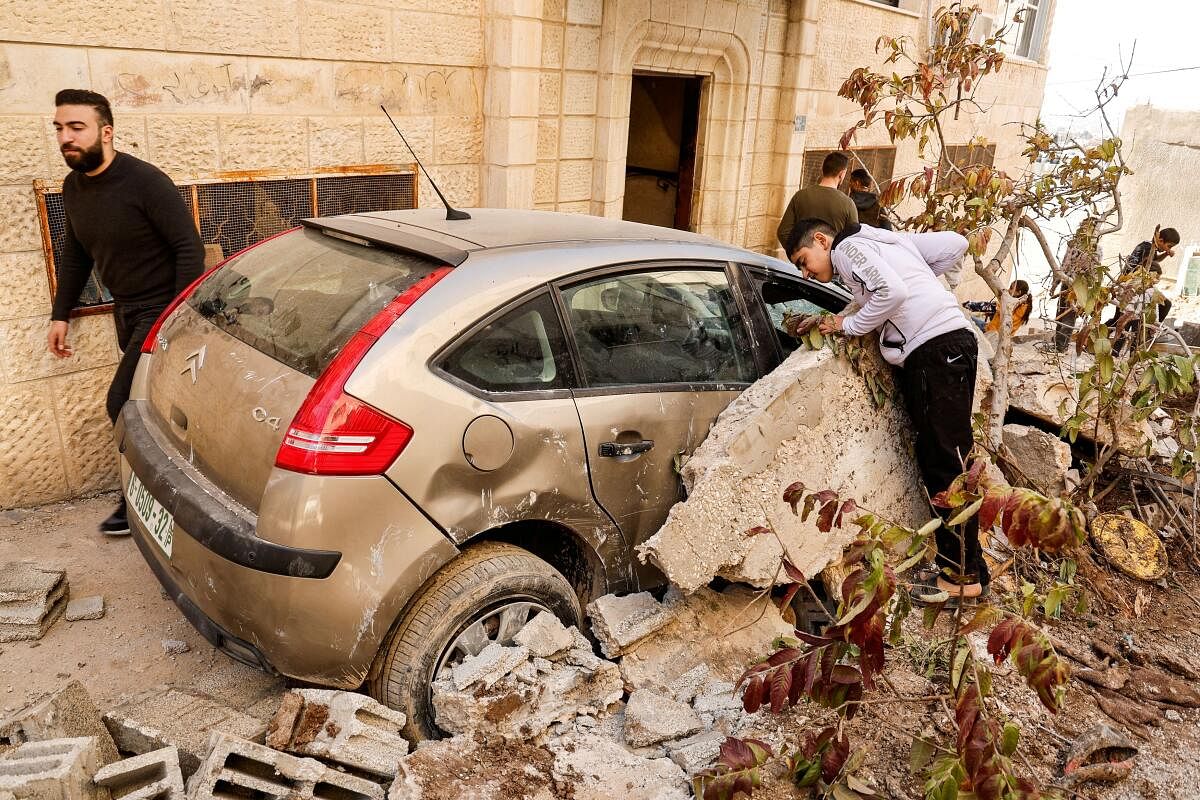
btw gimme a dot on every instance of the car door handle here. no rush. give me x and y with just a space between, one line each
618 449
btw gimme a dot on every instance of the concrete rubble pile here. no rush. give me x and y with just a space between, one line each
31 600
810 420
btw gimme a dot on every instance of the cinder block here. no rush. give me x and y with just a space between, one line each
68 713
235 767
167 717
346 727
150 776
60 769
85 608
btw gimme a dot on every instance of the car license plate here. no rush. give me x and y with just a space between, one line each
152 515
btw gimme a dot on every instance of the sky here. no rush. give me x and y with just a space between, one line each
1088 35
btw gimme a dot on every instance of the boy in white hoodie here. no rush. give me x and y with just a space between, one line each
893 277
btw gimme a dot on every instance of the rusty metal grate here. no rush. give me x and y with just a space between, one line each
879 161
235 214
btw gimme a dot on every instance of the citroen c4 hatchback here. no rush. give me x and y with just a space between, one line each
360 451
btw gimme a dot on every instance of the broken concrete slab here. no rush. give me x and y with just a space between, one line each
544 635
522 710
85 608
234 766
463 767
696 752
31 600
601 769
59 769
163 717
26 583
346 727
1038 459
723 631
490 665
651 718
618 622
810 419
150 776
68 713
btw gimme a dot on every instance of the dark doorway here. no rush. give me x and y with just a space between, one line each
660 170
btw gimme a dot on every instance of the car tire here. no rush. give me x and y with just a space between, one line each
483 577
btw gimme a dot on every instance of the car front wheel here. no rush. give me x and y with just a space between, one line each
485 595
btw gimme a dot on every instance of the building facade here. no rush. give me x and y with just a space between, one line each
706 114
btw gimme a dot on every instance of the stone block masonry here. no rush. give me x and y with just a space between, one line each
150 776
349 728
60 769
235 766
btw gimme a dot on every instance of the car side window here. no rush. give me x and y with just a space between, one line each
665 326
523 350
784 297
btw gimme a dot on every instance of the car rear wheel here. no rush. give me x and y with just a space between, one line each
484 595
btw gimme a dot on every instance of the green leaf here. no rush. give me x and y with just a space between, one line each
960 663
1009 739
921 754
966 513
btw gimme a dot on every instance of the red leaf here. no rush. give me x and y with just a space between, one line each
826 515
848 507
789 596
757 530
835 758
993 503
781 685
752 696
793 494
793 572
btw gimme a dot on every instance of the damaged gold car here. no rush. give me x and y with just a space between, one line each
360 451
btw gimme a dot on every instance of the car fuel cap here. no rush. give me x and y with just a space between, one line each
487 443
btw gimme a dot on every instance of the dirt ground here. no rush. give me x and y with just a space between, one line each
122 653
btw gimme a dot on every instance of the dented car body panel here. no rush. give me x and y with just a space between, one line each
515 423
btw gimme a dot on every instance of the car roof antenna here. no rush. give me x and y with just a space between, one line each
451 213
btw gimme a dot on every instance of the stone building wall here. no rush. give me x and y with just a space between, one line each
520 103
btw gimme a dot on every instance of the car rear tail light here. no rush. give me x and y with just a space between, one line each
151 341
336 434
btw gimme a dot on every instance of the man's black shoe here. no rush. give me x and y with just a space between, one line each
117 524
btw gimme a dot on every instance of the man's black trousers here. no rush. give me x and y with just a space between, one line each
938 384
133 323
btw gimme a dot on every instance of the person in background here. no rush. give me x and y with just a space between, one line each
867 201
1082 256
823 201
893 278
126 220
1020 310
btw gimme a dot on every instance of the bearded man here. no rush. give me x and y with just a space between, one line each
126 220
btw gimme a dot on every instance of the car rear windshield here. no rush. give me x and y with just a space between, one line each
300 298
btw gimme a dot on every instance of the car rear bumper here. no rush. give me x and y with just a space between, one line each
266 588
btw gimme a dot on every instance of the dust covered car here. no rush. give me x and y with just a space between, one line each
362 450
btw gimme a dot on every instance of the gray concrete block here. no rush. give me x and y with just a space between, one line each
619 622
346 727
165 717
60 769
24 583
236 767
651 718
85 608
31 612
66 714
696 752
493 663
150 776
544 635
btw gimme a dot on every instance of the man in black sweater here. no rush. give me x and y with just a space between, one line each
126 220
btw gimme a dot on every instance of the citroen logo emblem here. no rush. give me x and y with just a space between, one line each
194 362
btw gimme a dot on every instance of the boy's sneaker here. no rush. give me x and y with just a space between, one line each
117 523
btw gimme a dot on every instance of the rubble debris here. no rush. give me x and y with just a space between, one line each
651 718
1038 459
1136 716
722 631
544 635
31 600
235 766
601 769
525 702
69 713
164 717
1180 664
1172 715
175 647
85 608
150 776
58 769
493 663
1041 384
618 622
346 727
450 769
696 752
758 446
1150 684
1100 754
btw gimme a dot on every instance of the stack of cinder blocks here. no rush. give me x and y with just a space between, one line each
31 599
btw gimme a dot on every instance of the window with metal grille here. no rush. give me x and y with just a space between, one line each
879 161
966 155
892 3
232 215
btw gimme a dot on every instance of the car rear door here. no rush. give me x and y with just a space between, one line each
772 295
662 350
